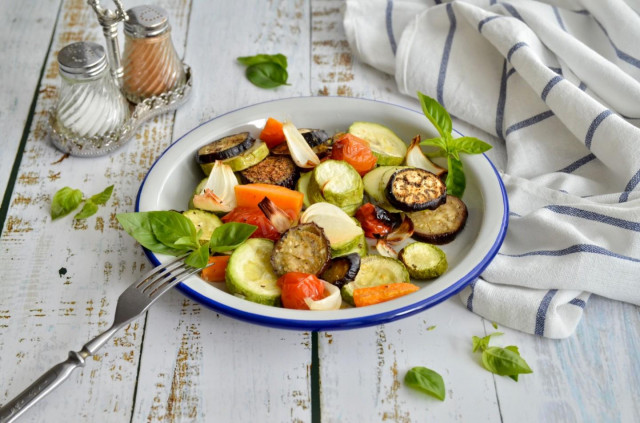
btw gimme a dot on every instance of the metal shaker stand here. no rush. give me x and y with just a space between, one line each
77 145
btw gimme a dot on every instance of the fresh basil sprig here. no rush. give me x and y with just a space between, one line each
171 233
452 147
427 381
68 199
266 70
501 361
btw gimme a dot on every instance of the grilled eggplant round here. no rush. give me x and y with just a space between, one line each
275 170
314 137
342 270
414 189
302 248
442 225
225 148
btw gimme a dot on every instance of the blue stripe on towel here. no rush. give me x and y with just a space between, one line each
470 297
556 70
528 122
389 22
502 98
515 47
559 18
633 183
621 54
582 86
578 163
550 84
511 72
513 11
541 316
485 20
596 217
594 125
578 248
578 302
445 54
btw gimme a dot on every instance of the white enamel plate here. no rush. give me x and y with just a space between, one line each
173 177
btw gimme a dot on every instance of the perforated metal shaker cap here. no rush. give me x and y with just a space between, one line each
146 21
82 60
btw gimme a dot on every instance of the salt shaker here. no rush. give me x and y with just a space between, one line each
89 103
150 63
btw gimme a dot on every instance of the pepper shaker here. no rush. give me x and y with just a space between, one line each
150 63
90 103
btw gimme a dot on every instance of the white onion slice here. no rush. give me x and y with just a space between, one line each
385 249
218 194
300 151
331 302
416 158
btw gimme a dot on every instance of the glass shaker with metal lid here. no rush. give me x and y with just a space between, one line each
150 63
89 103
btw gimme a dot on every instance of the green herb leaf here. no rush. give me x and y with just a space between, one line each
267 75
174 230
469 145
230 235
431 327
65 201
88 209
456 181
504 361
495 325
102 197
279 59
138 225
437 142
427 381
483 343
436 114
199 257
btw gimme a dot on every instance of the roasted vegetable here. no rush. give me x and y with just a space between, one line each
225 148
416 158
303 248
338 183
440 226
376 221
423 261
278 217
300 151
376 270
218 195
354 151
385 144
341 230
314 137
342 270
258 152
415 189
275 170
203 221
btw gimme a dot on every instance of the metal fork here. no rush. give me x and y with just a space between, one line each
134 301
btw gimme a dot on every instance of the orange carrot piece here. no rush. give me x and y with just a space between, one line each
215 272
250 195
381 293
272 133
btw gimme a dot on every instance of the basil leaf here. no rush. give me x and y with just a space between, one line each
483 343
436 114
504 362
65 201
88 209
469 145
169 227
138 226
427 381
199 257
102 197
456 181
438 142
230 235
279 59
267 75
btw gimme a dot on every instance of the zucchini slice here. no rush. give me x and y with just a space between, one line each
249 158
338 183
303 187
275 170
342 232
225 148
376 181
415 189
249 274
423 261
374 271
442 225
342 270
385 144
303 248
205 221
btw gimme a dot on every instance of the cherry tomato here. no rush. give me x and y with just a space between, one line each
376 222
354 151
296 286
253 216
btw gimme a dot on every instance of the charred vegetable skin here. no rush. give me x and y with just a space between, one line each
275 170
376 222
302 248
314 137
415 189
342 270
442 225
225 148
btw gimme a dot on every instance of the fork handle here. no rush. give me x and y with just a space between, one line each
41 387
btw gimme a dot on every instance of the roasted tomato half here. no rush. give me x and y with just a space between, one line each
253 216
296 286
376 222
354 151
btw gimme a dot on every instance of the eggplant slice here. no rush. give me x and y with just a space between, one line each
274 170
225 148
440 226
342 270
415 189
302 248
314 137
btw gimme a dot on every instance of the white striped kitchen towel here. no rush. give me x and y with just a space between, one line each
557 85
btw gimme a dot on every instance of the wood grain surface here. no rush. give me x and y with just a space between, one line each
183 362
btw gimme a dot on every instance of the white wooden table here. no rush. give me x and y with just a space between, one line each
183 362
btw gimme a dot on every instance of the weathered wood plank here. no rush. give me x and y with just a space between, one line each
23 53
196 364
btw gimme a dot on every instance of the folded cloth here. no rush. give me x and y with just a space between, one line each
557 83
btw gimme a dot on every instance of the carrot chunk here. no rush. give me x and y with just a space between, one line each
381 293
215 272
272 133
250 195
